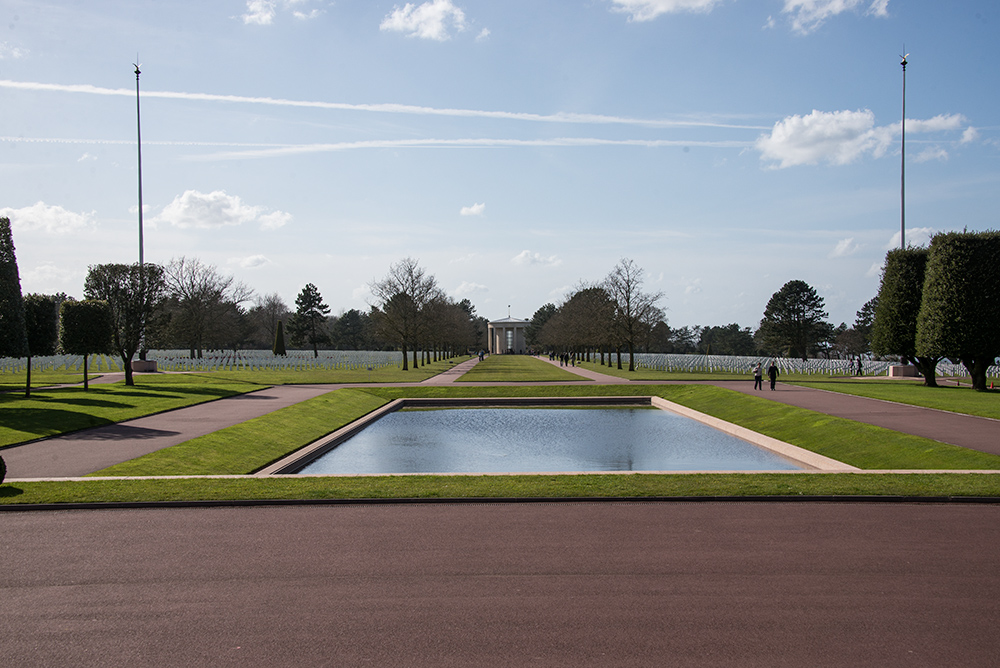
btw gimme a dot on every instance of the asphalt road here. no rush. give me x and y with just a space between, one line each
541 584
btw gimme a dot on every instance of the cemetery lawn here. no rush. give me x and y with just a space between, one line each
248 447
652 374
519 369
14 382
388 374
945 397
627 486
59 411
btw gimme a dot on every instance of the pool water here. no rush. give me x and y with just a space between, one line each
537 440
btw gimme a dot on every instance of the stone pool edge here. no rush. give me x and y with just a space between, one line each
799 456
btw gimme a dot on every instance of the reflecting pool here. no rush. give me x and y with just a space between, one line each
538 440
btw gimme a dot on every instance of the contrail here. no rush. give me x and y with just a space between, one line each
561 117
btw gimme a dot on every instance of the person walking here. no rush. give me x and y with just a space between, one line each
772 373
758 377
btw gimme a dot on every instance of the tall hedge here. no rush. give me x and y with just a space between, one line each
41 329
13 341
900 295
960 312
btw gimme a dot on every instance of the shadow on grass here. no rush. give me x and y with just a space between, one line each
10 490
40 422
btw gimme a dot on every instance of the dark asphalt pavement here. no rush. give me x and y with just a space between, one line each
561 584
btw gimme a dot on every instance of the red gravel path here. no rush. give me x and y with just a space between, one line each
572 584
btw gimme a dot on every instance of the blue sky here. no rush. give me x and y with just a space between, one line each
516 148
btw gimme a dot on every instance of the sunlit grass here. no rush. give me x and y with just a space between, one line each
518 368
632 486
336 376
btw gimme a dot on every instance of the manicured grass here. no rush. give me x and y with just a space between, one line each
519 369
683 376
247 447
252 445
51 412
636 486
334 376
14 382
946 398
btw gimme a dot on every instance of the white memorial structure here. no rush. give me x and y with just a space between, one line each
507 336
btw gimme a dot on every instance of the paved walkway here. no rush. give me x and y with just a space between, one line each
90 450
541 584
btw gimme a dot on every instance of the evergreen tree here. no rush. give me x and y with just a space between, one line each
794 321
894 328
279 340
41 329
960 311
86 328
13 341
308 325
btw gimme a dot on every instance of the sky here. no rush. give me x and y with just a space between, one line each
517 150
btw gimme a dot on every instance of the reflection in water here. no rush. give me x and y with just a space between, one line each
512 440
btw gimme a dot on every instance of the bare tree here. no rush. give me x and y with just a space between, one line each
265 314
402 305
200 299
633 307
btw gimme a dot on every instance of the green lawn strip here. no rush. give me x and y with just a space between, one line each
651 374
518 486
517 368
59 411
14 382
946 398
330 376
855 443
251 445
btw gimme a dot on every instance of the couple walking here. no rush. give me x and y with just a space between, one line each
758 380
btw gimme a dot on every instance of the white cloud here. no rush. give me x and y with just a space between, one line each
48 274
483 34
808 15
431 20
86 157
468 288
216 209
263 12
971 134
875 270
647 10
932 153
915 236
844 248
250 262
474 210
260 12
691 286
840 137
48 219
526 257
8 52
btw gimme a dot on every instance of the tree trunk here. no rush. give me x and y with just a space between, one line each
86 379
404 357
631 356
27 385
927 366
977 367
127 364
619 351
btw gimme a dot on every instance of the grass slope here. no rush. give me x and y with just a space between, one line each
252 445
